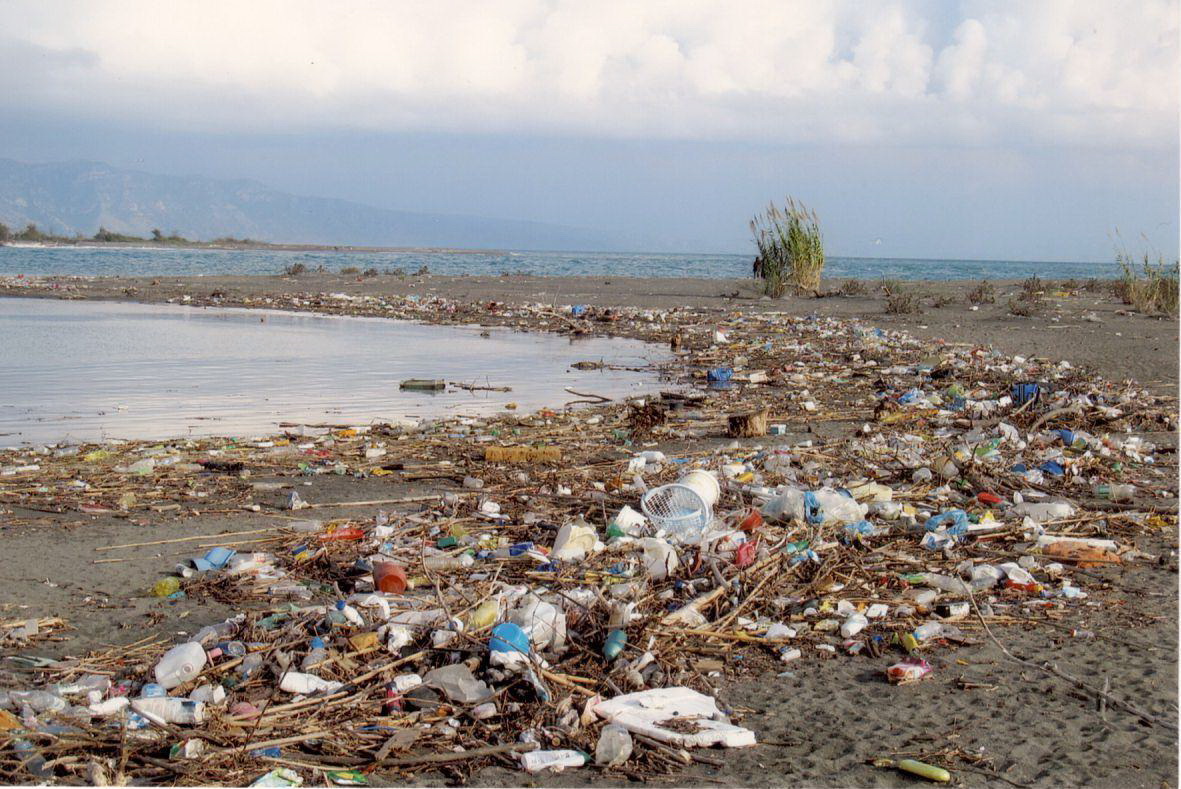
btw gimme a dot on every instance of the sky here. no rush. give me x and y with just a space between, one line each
1017 130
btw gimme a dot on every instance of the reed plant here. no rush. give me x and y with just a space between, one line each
1151 289
791 248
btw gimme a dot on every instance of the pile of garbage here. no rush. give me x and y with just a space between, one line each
555 604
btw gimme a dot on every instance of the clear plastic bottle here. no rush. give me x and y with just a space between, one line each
446 562
928 631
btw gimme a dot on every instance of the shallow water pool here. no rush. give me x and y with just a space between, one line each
78 370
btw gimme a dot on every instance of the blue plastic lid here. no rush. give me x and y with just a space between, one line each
317 643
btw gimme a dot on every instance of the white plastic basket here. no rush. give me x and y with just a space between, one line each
678 510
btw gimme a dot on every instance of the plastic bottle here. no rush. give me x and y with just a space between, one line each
446 562
180 664
249 664
832 507
614 746
928 631
536 761
167 709
318 654
787 505
351 615
1116 492
303 684
211 634
37 700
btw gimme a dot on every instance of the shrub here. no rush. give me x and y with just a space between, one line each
1153 293
852 287
1033 288
941 300
369 272
791 248
984 293
295 269
1093 285
350 270
901 302
1022 307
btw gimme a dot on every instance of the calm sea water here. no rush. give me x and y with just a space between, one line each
92 262
94 370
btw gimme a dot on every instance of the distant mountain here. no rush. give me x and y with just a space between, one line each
66 198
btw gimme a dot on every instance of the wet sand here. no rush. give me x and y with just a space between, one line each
825 722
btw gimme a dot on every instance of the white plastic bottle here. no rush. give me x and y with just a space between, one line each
536 761
180 664
168 709
297 682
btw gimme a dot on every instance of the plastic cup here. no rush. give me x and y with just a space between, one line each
389 577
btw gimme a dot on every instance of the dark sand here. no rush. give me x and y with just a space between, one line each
819 726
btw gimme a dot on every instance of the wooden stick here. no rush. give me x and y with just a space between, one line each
183 539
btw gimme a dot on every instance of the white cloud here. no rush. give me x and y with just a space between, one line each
767 70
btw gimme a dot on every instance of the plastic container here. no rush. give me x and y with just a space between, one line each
615 644
301 683
704 483
679 511
180 664
536 761
660 558
166 709
440 562
318 654
389 577
614 746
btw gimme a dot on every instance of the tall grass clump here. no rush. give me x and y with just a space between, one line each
1153 289
791 248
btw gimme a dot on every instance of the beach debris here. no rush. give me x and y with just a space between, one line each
567 582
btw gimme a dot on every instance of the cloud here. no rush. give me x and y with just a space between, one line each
1052 72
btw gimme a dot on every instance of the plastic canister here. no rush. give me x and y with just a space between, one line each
180 664
704 484
168 709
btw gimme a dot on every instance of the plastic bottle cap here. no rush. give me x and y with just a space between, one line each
340 604
317 643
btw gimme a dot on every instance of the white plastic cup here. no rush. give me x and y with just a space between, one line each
704 484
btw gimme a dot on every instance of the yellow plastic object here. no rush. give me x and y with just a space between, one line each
924 770
165 587
485 614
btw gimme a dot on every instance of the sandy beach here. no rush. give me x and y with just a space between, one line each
826 721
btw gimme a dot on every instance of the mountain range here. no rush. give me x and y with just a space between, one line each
69 198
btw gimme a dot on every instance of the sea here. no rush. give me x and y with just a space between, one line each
84 261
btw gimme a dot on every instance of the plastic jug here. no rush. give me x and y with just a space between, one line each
180 664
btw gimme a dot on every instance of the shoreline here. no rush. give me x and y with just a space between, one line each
1085 327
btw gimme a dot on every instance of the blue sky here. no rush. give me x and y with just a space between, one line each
927 129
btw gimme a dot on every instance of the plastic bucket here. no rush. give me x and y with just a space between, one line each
704 484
